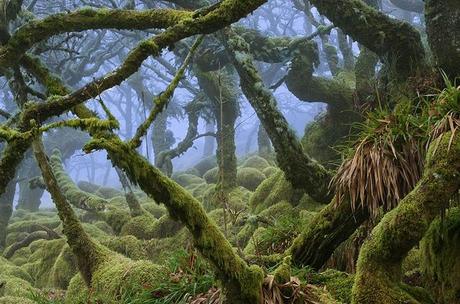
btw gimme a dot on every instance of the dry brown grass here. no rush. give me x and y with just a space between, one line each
385 165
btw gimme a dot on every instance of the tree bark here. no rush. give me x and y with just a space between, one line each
442 24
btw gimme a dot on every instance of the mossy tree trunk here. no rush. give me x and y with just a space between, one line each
442 24
220 89
378 276
6 210
89 255
241 282
300 170
263 141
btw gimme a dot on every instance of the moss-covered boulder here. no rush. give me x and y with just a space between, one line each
205 165
249 178
142 227
269 171
187 179
211 176
116 281
271 191
256 162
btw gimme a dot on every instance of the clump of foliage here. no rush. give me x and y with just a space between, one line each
385 161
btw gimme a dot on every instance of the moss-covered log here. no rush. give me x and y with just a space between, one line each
302 171
378 276
242 283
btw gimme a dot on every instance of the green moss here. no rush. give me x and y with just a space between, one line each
440 251
15 300
269 171
63 270
250 178
9 269
211 176
339 284
128 246
205 165
116 218
73 194
142 227
154 209
42 260
14 286
271 191
238 199
187 179
256 162
116 281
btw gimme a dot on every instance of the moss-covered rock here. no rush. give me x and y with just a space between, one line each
250 178
116 218
14 287
63 270
15 300
128 246
339 284
154 209
187 179
269 171
211 176
116 281
42 260
142 227
256 162
206 164
238 199
271 191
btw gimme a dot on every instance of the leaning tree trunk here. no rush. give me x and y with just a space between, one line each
378 275
89 254
300 170
241 282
